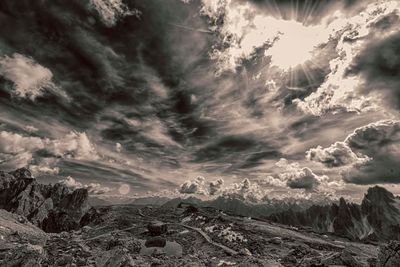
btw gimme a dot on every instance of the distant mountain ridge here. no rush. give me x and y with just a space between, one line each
376 218
236 205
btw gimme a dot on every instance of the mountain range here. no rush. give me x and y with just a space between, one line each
376 218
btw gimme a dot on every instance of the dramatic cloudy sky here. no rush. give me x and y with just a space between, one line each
257 97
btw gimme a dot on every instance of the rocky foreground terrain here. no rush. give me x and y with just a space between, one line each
51 225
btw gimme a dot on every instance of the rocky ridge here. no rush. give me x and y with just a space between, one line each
53 208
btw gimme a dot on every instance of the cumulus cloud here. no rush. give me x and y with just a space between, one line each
304 179
73 145
338 154
195 186
244 190
271 180
97 189
216 186
13 143
113 10
30 79
45 166
71 183
17 150
31 129
297 177
368 155
93 188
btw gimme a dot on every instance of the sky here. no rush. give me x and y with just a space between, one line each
262 98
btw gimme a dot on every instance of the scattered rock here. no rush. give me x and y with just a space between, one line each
22 219
24 256
276 240
115 257
349 260
191 209
245 252
64 260
86 229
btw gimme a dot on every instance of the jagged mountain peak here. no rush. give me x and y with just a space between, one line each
378 214
378 194
22 173
54 208
342 202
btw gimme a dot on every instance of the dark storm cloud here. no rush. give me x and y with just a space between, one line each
379 64
240 151
307 181
383 169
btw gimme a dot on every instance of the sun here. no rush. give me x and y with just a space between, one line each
124 189
295 43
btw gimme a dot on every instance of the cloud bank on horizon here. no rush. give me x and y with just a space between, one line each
254 98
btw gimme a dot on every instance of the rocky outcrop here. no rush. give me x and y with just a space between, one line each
376 219
54 208
381 209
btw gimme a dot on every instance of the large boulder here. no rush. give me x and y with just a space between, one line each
54 208
156 228
156 241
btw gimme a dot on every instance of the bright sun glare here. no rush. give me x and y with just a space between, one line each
124 189
295 44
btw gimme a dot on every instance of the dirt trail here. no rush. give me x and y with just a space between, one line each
209 240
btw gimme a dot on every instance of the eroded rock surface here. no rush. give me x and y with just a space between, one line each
389 254
54 208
